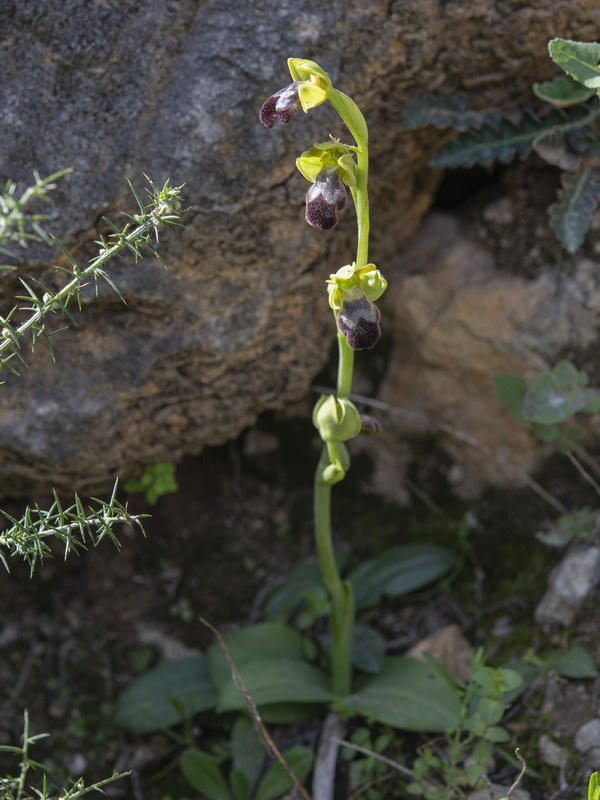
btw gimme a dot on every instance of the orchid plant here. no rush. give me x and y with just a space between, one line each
332 168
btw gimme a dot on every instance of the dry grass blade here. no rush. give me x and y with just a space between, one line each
259 725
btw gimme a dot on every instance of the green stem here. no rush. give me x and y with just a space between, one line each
342 598
342 601
345 367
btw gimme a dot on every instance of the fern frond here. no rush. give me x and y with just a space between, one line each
506 140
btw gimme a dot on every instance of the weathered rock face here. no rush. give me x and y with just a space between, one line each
239 323
455 321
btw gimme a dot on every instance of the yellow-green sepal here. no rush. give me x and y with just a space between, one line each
315 83
302 69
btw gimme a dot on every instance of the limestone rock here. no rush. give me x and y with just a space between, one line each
456 321
239 324
571 584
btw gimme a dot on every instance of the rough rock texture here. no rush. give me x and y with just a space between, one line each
455 321
239 323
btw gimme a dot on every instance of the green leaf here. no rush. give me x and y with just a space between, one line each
592 402
304 579
368 648
578 59
269 640
491 711
545 433
408 694
203 773
276 680
571 216
248 752
444 111
497 735
475 772
575 663
240 787
562 91
277 782
511 389
555 395
398 571
290 713
166 696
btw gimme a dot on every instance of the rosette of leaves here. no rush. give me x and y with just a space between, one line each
566 135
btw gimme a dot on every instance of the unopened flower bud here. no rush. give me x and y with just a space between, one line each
359 320
325 198
336 419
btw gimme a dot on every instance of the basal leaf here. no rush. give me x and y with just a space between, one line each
295 586
247 750
444 111
580 60
202 771
276 680
571 216
562 91
166 696
398 571
408 694
267 640
368 648
277 782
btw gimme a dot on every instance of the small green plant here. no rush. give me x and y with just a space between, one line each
567 136
440 773
16 788
155 481
370 773
594 787
548 406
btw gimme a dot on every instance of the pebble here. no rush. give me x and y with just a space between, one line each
588 736
571 583
551 752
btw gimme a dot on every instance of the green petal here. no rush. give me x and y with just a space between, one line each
311 95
